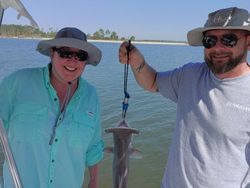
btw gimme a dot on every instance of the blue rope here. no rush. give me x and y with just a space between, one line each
126 94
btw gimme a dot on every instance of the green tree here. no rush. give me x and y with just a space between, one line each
107 34
28 31
132 38
102 34
114 36
96 35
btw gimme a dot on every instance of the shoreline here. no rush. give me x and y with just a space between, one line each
111 41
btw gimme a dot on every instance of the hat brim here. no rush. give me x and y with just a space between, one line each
195 36
94 53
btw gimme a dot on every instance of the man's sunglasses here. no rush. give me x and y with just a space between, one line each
229 40
67 54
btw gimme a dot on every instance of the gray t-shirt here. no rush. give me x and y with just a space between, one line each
211 141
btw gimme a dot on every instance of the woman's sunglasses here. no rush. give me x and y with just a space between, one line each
228 40
67 54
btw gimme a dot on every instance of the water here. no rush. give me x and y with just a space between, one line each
150 113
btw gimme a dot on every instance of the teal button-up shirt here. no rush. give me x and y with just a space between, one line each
30 108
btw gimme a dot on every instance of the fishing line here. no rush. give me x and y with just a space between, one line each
126 94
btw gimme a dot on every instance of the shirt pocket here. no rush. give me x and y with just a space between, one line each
28 122
81 130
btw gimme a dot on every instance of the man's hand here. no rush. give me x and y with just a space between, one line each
136 59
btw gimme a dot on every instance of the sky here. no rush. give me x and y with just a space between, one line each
143 19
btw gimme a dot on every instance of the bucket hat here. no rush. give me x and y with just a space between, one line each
229 18
73 38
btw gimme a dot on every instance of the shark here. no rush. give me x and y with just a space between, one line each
18 6
122 150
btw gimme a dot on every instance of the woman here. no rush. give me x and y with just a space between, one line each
52 115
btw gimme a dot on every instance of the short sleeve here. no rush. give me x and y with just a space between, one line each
168 83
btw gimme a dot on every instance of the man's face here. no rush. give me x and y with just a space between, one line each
225 54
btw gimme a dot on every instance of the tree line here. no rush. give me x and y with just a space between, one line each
24 31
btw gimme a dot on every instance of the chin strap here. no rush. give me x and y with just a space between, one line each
66 98
61 113
64 104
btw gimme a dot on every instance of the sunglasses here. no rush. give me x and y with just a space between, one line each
67 54
228 40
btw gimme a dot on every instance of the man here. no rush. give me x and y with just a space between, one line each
52 116
211 141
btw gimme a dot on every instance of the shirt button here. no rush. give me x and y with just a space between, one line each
56 140
55 99
52 160
51 181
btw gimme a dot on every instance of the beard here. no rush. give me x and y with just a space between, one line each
220 67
